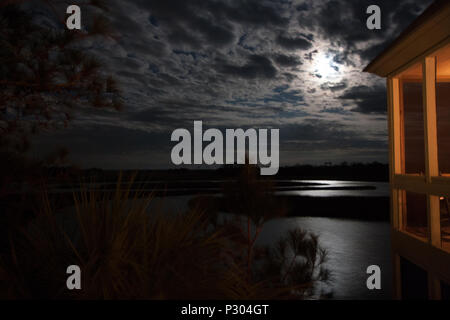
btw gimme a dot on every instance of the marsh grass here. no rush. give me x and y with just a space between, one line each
127 251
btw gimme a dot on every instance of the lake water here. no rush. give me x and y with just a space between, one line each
320 189
352 245
313 188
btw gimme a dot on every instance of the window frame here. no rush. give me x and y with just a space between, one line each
432 183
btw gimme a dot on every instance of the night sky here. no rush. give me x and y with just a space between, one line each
292 65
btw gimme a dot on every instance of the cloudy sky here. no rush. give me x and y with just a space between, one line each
295 65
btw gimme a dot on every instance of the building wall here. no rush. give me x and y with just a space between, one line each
417 195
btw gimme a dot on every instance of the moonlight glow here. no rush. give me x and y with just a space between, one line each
325 68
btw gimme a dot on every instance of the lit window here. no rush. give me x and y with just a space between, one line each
443 108
413 143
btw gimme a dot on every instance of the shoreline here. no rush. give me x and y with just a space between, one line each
343 207
346 207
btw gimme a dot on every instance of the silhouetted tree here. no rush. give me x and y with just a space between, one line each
44 75
45 78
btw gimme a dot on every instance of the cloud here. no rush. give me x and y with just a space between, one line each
287 60
314 142
336 110
369 100
257 66
344 23
334 87
292 43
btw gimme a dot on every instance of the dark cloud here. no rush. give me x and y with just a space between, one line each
371 52
127 23
302 7
170 80
309 56
257 67
152 47
344 23
293 43
213 34
335 110
369 100
344 20
401 17
325 135
407 11
187 23
287 60
180 36
334 86
198 22
252 12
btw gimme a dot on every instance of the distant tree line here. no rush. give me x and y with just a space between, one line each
374 171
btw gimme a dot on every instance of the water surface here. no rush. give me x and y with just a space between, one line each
351 245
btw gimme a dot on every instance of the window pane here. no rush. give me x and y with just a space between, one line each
443 125
413 121
414 214
443 108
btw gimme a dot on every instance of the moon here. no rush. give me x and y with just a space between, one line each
324 67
